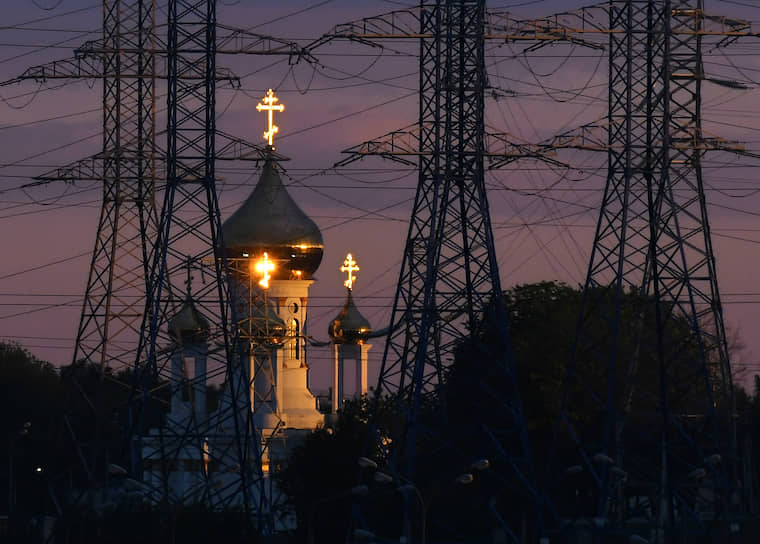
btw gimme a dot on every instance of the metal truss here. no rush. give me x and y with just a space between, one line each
403 146
648 405
129 165
229 148
449 289
190 231
652 240
90 58
118 328
112 311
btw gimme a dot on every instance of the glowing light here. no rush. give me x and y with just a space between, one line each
350 266
270 107
264 267
206 455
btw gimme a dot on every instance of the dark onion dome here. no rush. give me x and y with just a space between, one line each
270 221
188 324
350 326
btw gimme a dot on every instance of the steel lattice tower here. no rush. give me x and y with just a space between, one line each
647 408
113 304
131 261
189 236
449 290
123 59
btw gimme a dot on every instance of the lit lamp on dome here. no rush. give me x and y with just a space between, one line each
264 266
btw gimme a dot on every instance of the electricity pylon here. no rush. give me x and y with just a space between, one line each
131 164
123 59
131 167
189 234
654 136
112 310
646 427
449 292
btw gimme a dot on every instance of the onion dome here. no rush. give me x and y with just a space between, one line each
189 325
350 326
270 221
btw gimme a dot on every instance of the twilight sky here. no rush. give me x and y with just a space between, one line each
543 216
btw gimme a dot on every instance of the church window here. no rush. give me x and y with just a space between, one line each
295 342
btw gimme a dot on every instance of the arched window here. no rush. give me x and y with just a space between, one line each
295 342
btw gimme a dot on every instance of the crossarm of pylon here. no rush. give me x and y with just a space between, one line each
590 137
92 168
91 67
229 41
499 25
73 68
232 148
714 143
88 169
574 27
712 25
401 146
232 41
502 148
404 23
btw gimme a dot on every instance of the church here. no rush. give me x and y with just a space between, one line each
273 250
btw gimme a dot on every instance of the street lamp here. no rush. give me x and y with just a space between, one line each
366 462
403 488
383 478
464 479
407 486
480 464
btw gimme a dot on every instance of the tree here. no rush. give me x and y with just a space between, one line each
32 399
321 471
543 319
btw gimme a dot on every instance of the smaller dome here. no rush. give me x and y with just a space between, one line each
350 326
188 324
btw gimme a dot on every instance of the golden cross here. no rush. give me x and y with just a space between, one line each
264 267
269 106
350 266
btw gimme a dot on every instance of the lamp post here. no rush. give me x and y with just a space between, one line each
24 430
405 486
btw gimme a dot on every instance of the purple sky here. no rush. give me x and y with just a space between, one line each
543 217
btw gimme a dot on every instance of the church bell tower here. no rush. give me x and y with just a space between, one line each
273 249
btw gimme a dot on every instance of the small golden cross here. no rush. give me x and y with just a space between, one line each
270 107
264 267
350 266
